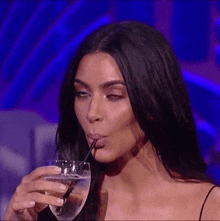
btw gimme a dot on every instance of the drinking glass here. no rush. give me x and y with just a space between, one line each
77 177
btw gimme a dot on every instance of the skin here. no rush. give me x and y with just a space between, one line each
29 198
136 186
102 107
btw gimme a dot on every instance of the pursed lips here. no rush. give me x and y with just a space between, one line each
101 139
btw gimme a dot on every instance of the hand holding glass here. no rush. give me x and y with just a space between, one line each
77 177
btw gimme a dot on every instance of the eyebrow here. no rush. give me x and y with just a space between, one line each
104 85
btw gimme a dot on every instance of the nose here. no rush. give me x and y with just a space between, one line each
95 112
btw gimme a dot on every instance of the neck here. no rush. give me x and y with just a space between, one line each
135 172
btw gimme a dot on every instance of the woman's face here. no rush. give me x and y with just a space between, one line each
103 108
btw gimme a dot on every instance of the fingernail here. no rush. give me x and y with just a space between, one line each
60 202
31 203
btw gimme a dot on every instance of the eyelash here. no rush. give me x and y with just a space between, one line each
81 94
114 97
110 97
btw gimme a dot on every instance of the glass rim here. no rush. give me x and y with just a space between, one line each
67 161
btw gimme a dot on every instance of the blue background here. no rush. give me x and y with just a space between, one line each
38 39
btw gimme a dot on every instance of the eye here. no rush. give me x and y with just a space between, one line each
81 94
114 97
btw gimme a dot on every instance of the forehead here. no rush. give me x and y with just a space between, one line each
98 66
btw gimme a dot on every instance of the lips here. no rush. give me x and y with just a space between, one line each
101 140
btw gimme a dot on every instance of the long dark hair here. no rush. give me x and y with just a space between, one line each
158 98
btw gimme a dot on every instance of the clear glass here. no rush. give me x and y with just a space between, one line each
77 177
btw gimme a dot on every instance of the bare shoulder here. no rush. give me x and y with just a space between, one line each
211 209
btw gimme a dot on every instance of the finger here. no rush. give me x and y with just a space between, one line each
44 185
74 197
25 210
39 207
25 215
44 199
40 172
20 191
33 213
21 205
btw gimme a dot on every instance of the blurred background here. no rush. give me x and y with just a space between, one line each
38 39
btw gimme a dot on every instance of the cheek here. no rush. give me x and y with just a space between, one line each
121 118
126 127
80 113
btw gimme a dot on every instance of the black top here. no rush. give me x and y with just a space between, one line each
201 211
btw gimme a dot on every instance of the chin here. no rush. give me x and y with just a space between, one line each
108 157
101 159
103 156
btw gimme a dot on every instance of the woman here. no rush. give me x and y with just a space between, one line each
124 89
